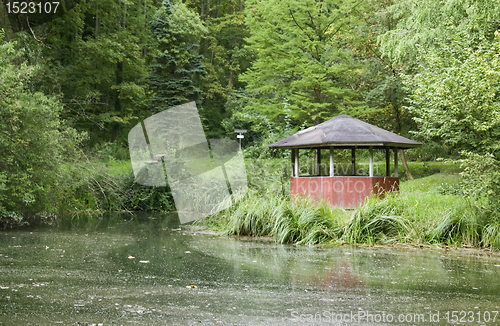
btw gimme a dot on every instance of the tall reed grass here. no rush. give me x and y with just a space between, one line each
299 221
405 218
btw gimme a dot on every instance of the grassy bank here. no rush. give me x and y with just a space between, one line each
420 214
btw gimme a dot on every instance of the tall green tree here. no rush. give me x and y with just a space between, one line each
301 67
455 97
455 100
380 81
177 66
225 58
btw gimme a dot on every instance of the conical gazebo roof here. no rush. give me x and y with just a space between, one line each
345 131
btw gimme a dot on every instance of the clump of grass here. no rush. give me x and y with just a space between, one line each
381 221
299 221
491 236
461 224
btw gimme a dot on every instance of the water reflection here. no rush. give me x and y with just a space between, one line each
148 270
338 275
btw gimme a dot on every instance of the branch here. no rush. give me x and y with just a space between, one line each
34 36
296 23
82 112
312 20
328 25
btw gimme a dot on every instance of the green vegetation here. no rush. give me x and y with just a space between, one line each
300 67
177 65
419 215
34 143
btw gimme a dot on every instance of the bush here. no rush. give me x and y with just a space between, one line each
34 142
482 180
145 198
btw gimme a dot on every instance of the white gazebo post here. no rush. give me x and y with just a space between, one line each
332 170
396 162
371 161
292 157
296 165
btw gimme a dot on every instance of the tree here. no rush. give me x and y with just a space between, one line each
455 99
225 58
34 142
301 67
380 82
455 96
177 64
427 24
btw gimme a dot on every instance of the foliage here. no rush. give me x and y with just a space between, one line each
378 221
300 65
450 30
469 121
482 180
90 189
429 24
34 142
176 30
455 102
95 57
379 82
276 216
269 175
143 198
225 58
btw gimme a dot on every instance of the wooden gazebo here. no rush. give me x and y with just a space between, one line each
344 132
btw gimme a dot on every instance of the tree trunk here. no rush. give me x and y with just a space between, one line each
403 159
396 108
97 23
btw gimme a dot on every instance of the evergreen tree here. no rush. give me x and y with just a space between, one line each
177 64
225 58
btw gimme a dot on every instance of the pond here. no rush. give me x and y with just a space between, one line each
147 270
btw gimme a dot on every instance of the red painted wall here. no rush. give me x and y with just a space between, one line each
345 192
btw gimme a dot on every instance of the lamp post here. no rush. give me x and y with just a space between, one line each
240 136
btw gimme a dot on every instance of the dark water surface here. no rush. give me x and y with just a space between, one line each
84 275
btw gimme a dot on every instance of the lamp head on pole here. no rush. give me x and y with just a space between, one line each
240 132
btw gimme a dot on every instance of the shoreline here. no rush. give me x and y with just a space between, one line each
462 251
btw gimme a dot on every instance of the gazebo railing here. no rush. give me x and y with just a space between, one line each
296 165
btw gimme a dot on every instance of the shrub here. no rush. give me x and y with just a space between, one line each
34 142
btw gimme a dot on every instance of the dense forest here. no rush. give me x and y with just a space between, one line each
75 81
